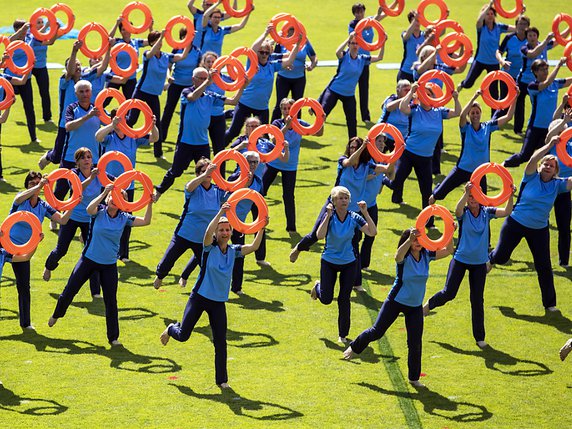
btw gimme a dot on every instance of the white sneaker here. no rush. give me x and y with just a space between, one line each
359 288
342 340
566 349
53 225
416 383
43 161
482 344
115 343
552 309
263 263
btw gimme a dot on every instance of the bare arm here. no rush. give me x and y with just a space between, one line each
146 219
405 103
550 78
538 154
540 47
445 251
404 248
94 204
237 27
5 114
184 54
258 42
457 111
204 177
61 219
28 193
353 159
509 114
482 14
460 207
70 69
289 60
467 108
233 101
507 209
156 48
208 13
208 238
253 247
193 96
76 123
340 49
409 30
379 56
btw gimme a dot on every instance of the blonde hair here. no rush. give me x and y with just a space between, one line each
550 157
340 190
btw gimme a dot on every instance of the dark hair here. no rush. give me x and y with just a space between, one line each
411 16
532 30
113 113
357 140
31 176
524 18
80 153
200 164
18 23
358 6
536 65
153 36
494 10
217 10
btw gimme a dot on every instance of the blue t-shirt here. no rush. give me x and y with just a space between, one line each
8 78
199 209
396 118
4 257
92 191
40 51
263 145
211 41
97 82
84 136
123 58
126 145
536 199
21 231
367 34
218 110
475 145
183 70
543 102
425 127
298 69
347 75
410 51
196 116
338 248
216 272
511 45
353 178
257 94
244 206
67 97
152 79
473 243
439 65
102 245
526 76
372 189
411 279
488 42
294 140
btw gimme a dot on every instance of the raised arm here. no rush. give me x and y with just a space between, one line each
323 227
70 68
208 238
550 78
27 193
404 248
209 12
538 154
533 53
344 44
445 251
482 14
289 60
467 108
507 209
353 159
460 207
258 42
233 101
94 204
156 48
253 247
203 177
510 113
369 228
411 27
405 103
237 27
103 132
457 111
146 219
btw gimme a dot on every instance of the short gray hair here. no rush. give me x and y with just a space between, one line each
81 84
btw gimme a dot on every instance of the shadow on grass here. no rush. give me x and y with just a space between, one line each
6 314
368 355
438 405
368 301
251 303
135 270
269 276
495 358
28 147
405 209
10 401
243 340
241 406
7 188
312 144
171 215
555 319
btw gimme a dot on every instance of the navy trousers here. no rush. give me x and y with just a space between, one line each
533 140
562 214
288 187
456 177
155 105
26 94
22 274
363 88
285 86
184 154
328 99
175 250
241 113
365 254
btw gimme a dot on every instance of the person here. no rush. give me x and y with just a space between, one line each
412 38
112 138
91 188
471 255
566 349
29 200
405 296
343 85
544 97
199 13
390 113
196 108
512 63
338 227
425 127
475 146
529 219
211 289
257 94
99 255
212 34
202 200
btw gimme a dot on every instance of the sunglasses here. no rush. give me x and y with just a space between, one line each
264 52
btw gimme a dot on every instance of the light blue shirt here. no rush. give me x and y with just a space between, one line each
199 209
511 45
338 248
299 67
257 94
84 136
410 51
425 127
396 117
294 141
347 75
488 43
193 128
152 79
211 41
411 279
21 231
543 102
92 191
123 58
183 70
126 145
475 145
473 244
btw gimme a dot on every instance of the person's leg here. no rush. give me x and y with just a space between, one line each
241 112
181 331
238 269
288 190
55 155
519 109
402 172
423 169
22 274
43 81
510 235
325 287
385 318
477 279
126 235
268 178
347 277
81 272
108 275
309 239
414 327
260 253
283 87
539 243
128 88
297 87
176 248
181 161
349 105
217 128
363 84
533 139
455 178
474 72
66 235
94 281
328 99
26 93
455 276
494 87
365 254
218 322
404 75
562 214
173 95
62 185
194 261
436 159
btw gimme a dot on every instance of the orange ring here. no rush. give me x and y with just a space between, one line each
396 11
8 93
507 184
443 77
278 138
318 112
229 62
289 21
237 13
87 28
230 155
508 13
188 23
510 83
30 57
376 25
376 154
568 54
256 198
442 26
106 158
70 176
561 151
100 99
127 11
10 221
556 28
421 11
253 69
447 48
443 213
52 21
62 7
569 92
126 106
123 182
130 50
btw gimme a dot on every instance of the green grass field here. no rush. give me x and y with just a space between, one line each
285 366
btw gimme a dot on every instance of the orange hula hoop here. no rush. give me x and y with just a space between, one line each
396 11
508 13
62 7
318 112
376 25
130 50
230 155
376 154
556 28
258 200
568 54
106 158
229 62
237 13
443 77
70 176
561 147
123 181
98 28
569 92
251 55
509 82
443 213
189 25
8 94
130 8
9 222
450 43
30 57
289 21
52 21
421 11
100 99
442 26
507 184
125 107
278 141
